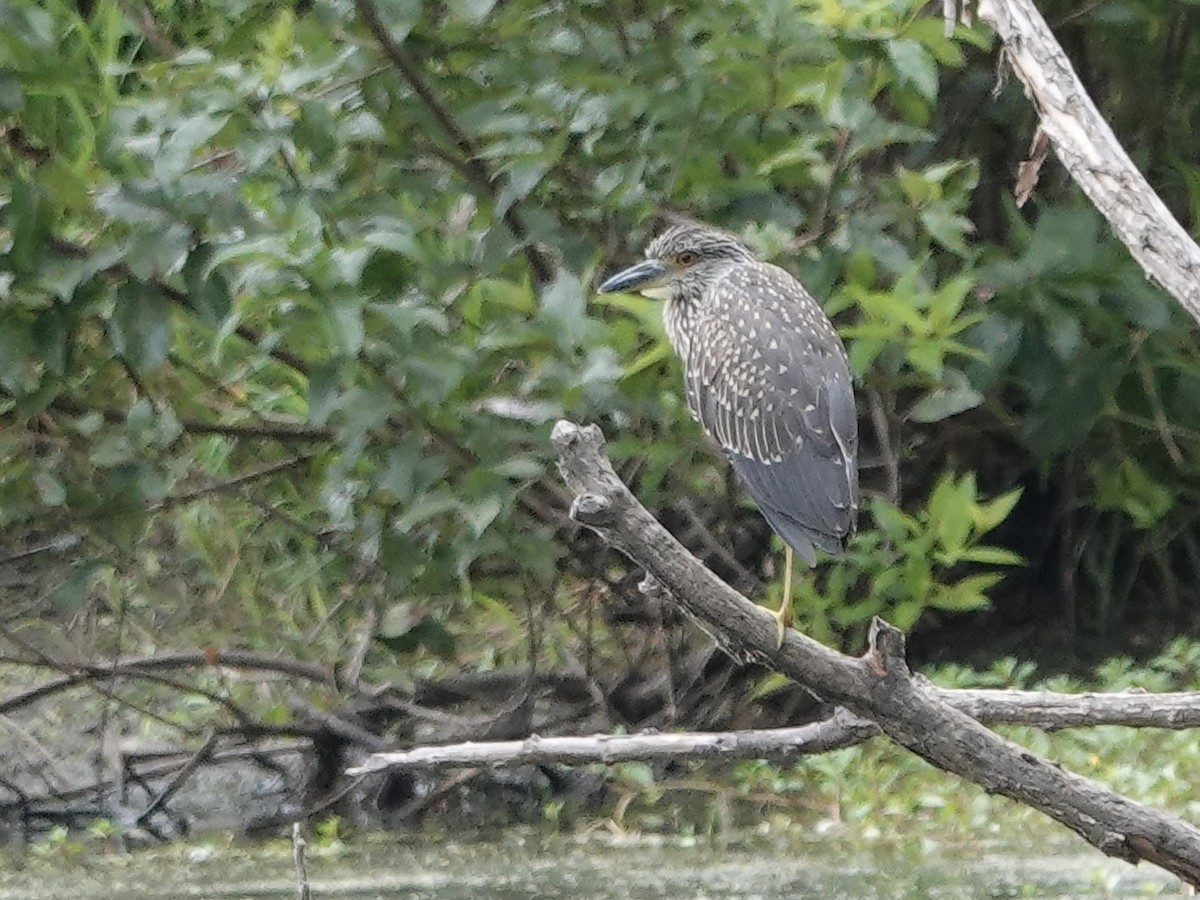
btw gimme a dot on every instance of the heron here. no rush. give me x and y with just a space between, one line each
767 377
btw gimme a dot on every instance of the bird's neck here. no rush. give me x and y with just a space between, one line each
679 317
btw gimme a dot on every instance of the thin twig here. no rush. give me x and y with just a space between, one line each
228 485
141 16
270 430
181 298
820 219
172 788
883 437
82 673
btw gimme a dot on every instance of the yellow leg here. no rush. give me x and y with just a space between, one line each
783 617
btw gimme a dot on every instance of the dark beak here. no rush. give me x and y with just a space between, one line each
648 274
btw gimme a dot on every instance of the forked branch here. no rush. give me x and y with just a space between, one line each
873 694
877 687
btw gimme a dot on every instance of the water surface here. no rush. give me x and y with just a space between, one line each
626 868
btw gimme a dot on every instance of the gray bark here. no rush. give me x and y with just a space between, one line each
877 687
1048 711
1087 147
874 694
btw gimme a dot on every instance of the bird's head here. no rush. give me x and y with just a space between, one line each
679 262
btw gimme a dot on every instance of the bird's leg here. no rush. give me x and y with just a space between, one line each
783 618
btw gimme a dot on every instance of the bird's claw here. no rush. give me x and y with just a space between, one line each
783 621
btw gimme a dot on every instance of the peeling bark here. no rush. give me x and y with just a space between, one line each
1091 153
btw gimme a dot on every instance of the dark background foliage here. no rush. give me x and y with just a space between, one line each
291 296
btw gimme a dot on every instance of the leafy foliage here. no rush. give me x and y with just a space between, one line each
910 563
290 297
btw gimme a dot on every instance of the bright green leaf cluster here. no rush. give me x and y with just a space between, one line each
911 563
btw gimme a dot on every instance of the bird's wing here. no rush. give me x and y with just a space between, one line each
768 380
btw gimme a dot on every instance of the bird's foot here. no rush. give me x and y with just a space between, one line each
783 620
783 616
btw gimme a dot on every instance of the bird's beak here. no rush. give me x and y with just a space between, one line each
645 275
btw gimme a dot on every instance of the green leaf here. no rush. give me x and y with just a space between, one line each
564 305
950 511
208 291
1129 488
344 328
424 509
928 357
157 251
50 489
325 383
28 225
12 98
947 301
480 515
996 556
987 516
405 628
472 11
944 402
316 131
140 325
51 338
1072 405
895 523
175 154
914 65
967 594
71 593
399 16
947 227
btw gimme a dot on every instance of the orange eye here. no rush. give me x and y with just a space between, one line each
686 258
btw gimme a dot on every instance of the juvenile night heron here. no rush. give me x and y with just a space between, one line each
767 378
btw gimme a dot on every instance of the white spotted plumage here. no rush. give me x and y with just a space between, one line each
767 378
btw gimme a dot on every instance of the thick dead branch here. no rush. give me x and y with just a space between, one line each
1092 154
878 687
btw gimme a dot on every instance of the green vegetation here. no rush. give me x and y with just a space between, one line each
246 248
291 296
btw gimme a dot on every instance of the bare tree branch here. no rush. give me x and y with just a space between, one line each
189 768
1051 711
1048 711
228 485
279 431
877 686
1086 145
135 667
840 730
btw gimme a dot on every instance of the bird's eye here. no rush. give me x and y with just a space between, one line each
686 258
